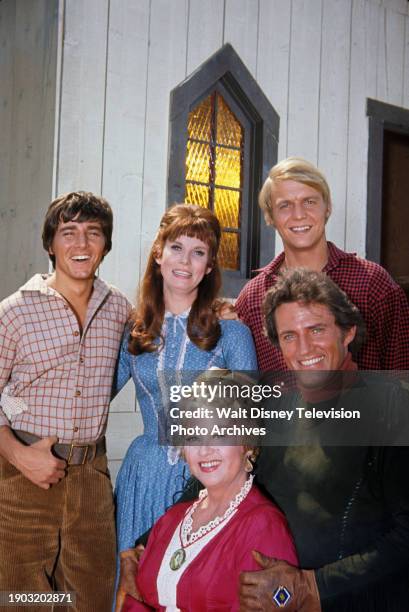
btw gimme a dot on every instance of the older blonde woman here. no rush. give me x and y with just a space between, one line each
196 551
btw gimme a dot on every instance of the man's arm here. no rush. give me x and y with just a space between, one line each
7 358
278 581
35 462
390 326
390 552
387 555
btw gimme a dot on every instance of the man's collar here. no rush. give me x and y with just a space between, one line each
335 255
273 267
38 284
101 290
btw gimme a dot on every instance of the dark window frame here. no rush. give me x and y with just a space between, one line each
225 72
382 117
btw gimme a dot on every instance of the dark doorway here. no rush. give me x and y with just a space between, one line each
395 207
387 238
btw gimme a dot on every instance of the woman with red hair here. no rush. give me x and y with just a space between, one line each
174 334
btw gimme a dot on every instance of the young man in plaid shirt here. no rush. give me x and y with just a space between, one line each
59 340
296 201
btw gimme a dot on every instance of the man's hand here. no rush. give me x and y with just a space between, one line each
257 588
38 464
225 310
129 561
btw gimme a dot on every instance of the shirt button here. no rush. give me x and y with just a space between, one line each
82 359
76 333
77 393
76 428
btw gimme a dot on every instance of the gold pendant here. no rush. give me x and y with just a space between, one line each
177 559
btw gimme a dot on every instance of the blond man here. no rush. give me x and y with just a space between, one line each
296 201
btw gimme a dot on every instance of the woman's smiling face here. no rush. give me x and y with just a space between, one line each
219 467
183 264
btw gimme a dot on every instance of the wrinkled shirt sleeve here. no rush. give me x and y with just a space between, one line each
7 357
359 570
389 326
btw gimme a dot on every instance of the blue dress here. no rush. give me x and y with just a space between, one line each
152 476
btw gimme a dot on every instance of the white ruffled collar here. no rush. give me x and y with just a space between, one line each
182 315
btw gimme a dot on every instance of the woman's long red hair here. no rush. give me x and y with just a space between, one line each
203 326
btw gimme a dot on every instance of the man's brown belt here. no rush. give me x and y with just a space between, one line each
74 453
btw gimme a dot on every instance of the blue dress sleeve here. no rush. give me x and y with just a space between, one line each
238 346
123 366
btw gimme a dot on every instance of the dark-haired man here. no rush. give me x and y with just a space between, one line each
347 506
296 201
59 340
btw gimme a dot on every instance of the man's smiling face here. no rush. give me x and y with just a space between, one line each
299 214
310 339
78 249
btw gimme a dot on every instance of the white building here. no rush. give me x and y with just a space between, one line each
84 104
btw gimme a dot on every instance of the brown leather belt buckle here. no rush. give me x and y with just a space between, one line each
86 448
73 453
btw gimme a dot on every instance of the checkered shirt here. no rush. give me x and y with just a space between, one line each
62 378
382 303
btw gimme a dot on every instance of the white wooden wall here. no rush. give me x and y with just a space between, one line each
117 61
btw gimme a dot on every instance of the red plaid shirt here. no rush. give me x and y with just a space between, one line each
60 379
382 303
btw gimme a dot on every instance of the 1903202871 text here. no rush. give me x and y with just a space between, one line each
28 598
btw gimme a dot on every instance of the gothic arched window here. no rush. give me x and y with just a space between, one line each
224 136
214 170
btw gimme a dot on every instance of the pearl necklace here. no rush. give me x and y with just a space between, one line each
185 533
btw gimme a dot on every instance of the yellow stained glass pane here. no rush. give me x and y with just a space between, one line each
197 194
229 131
200 119
227 207
197 162
229 251
228 167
